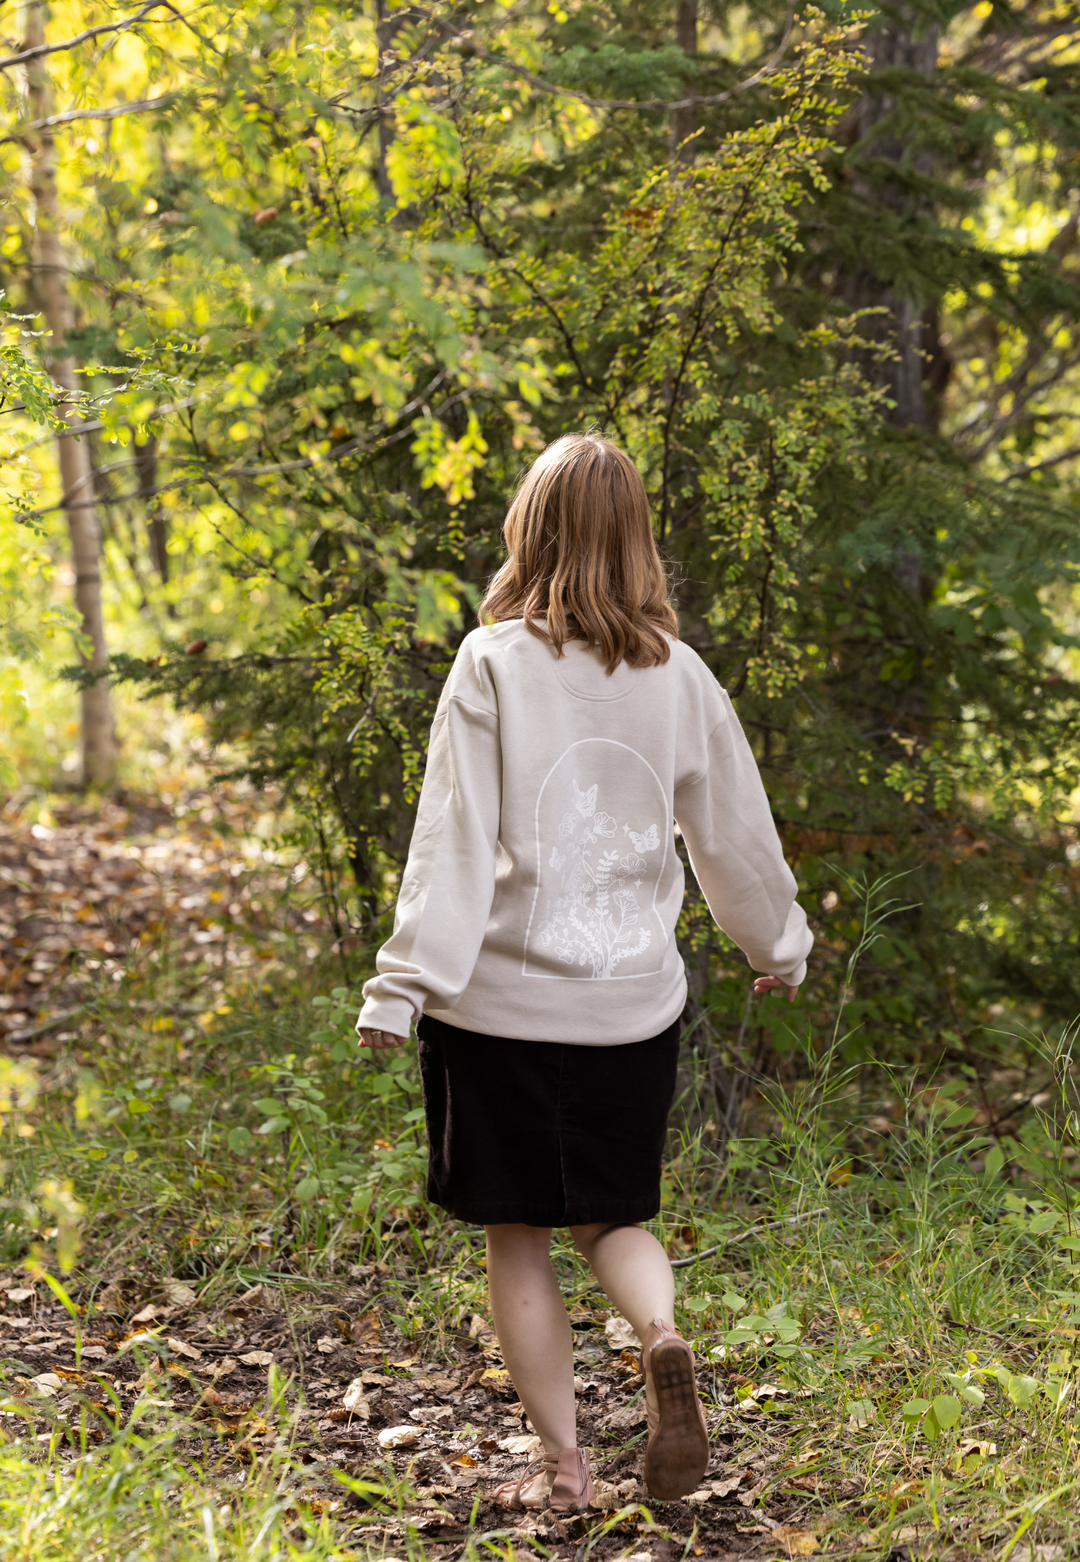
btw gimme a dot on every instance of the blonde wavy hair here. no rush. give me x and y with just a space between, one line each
583 562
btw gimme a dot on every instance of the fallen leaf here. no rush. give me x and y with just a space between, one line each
225 1366
433 1413
148 1314
410 1361
21 1293
263 1358
465 1462
620 1335
495 1375
399 1436
140 1337
181 1348
47 1382
522 1444
626 1417
325 1343
355 1402
796 1542
366 1329
178 1294
95 1353
730 1483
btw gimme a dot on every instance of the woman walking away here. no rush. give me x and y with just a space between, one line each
534 940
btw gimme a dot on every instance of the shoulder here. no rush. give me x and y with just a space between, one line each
480 656
688 665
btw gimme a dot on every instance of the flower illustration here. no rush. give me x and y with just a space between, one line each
593 923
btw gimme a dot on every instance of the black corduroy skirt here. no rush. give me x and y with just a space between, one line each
542 1133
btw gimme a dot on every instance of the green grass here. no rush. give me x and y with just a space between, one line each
919 1333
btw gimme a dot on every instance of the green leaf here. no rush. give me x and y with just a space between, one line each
698 1304
268 1104
179 1103
273 1126
1021 1391
137 1108
734 1301
306 1189
914 1409
995 1160
947 1410
239 1140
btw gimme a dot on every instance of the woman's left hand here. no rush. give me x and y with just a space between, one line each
764 984
381 1039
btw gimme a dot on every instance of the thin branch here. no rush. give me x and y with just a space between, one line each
1041 466
91 32
751 1231
69 116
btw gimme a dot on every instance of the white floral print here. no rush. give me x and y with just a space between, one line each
595 922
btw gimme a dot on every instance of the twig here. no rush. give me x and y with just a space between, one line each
91 32
69 116
751 1231
973 1328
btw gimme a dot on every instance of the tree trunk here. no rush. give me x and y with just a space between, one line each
684 120
896 45
98 732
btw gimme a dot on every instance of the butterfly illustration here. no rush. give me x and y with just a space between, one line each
643 843
585 802
555 861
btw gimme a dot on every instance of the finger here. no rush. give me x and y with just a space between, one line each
792 994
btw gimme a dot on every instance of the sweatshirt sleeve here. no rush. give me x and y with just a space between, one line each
736 855
449 880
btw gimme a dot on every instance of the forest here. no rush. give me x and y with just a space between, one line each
291 296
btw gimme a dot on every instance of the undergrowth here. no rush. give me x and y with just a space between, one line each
893 1300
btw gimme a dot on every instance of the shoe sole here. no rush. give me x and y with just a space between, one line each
678 1452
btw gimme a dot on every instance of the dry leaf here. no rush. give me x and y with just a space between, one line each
21 1293
181 1348
325 1343
366 1329
495 1375
626 1417
620 1334
355 1402
398 1436
140 1337
47 1382
730 1483
225 1366
178 1294
465 1462
148 1314
796 1542
261 1358
95 1353
522 1444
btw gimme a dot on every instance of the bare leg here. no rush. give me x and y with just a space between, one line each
534 1330
633 1270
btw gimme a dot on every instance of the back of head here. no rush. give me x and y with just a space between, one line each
583 563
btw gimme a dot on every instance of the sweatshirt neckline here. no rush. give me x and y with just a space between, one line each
578 648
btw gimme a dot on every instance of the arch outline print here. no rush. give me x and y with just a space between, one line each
601 854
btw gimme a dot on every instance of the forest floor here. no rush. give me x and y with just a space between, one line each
232 1327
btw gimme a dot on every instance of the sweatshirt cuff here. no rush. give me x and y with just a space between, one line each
389 1014
793 978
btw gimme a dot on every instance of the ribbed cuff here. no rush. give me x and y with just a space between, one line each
388 1014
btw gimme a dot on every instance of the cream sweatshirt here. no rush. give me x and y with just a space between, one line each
543 886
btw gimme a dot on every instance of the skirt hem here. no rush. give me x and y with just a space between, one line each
480 1214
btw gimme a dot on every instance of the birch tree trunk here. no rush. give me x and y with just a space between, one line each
97 728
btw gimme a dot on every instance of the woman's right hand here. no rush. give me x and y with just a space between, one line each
381 1040
764 984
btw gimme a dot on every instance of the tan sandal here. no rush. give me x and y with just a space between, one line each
677 1455
571 1491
